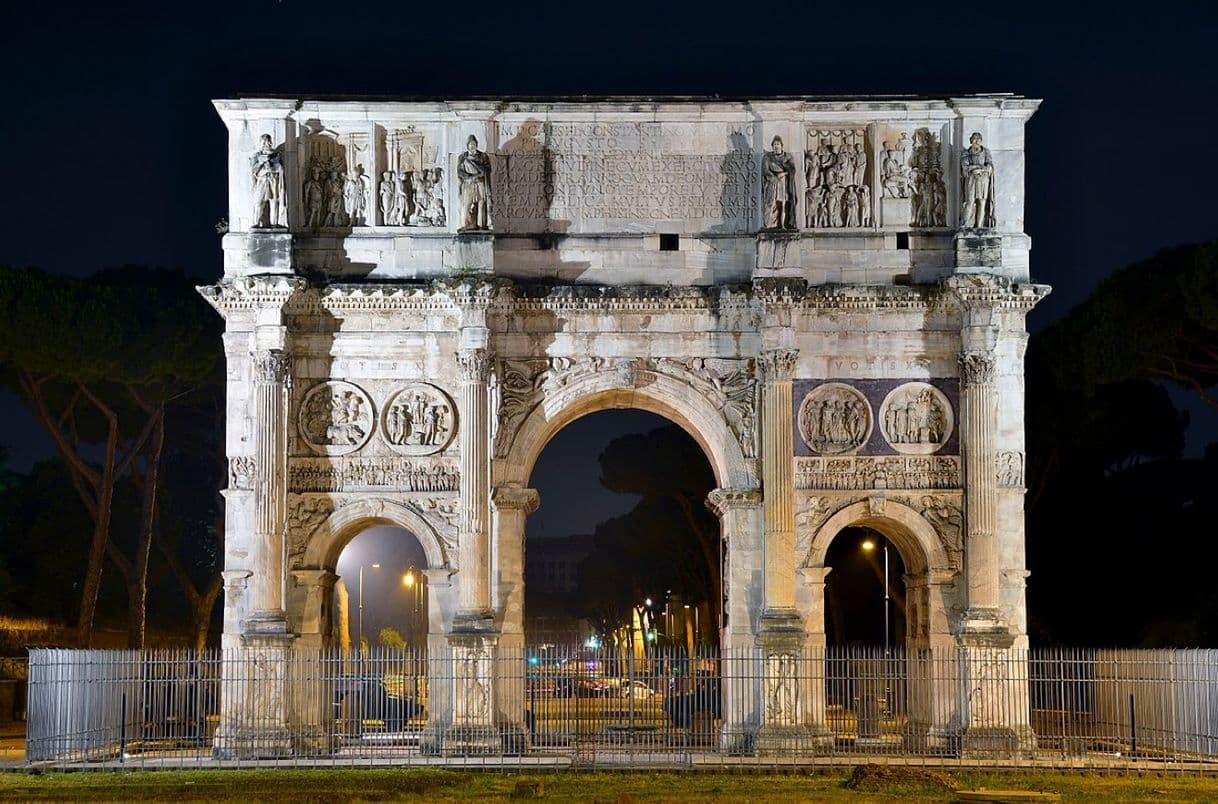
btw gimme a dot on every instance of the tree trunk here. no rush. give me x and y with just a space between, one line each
137 613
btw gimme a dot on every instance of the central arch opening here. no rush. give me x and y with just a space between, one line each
622 551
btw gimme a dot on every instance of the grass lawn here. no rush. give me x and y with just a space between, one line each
302 785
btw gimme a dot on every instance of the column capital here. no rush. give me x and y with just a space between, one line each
272 366
977 367
475 364
311 578
515 498
777 365
721 501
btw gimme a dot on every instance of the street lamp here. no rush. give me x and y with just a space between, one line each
361 603
696 624
869 546
415 590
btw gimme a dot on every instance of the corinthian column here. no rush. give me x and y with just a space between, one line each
777 479
474 527
272 381
979 414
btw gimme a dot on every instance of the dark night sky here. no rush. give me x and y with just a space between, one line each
115 154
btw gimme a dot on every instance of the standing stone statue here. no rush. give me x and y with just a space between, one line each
266 170
778 182
977 197
315 198
387 198
355 194
474 174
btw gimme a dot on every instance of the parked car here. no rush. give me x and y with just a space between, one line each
634 689
703 698
359 700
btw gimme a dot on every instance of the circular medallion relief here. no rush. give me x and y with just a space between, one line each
834 418
916 418
419 419
336 417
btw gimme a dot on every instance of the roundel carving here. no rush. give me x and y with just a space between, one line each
336 417
419 419
916 418
834 418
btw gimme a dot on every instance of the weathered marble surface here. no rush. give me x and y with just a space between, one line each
865 369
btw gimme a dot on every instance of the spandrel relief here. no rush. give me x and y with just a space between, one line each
419 419
336 418
836 168
916 419
834 419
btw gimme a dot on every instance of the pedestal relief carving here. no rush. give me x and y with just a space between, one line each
419 419
834 418
977 186
336 417
836 167
929 190
916 418
781 689
778 187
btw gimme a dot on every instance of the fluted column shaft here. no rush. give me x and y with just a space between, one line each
272 380
777 477
473 537
979 411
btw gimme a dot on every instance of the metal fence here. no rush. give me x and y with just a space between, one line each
574 706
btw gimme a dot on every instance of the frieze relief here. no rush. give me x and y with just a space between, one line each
419 419
916 419
328 475
336 417
865 472
834 418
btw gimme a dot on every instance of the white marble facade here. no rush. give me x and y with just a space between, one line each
828 295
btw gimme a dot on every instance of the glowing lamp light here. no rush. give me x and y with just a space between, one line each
408 580
593 642
533 660
868 546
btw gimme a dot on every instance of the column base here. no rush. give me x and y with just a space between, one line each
985 628
473 624
254 723
783 625
473 740
997 742
782 740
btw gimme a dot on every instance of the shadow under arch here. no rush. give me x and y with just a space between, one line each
913 536
354 518
660 394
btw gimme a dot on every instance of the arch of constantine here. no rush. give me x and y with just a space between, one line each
829 295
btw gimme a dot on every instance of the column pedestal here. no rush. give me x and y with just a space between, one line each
255 695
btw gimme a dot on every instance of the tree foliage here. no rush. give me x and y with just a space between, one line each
97 361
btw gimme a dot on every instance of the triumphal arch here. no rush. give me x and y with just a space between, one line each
829 295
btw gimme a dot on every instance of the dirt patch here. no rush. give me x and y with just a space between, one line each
891 778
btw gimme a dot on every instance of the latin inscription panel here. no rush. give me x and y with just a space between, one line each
601 177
